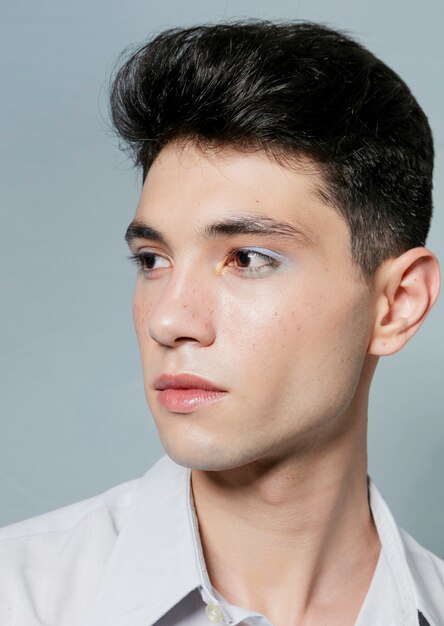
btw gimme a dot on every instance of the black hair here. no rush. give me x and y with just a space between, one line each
292 89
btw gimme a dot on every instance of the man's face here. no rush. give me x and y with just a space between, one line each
281 322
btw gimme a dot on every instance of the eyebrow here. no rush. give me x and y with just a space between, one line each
244 224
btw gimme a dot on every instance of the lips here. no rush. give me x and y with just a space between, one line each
184 381
183 393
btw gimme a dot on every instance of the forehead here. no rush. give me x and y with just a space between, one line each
187 187
183 167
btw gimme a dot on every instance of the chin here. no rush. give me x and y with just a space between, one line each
197 459
207 457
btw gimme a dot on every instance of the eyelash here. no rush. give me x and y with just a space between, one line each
140 260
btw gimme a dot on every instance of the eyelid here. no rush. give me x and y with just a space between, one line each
264 251
137 249
144 251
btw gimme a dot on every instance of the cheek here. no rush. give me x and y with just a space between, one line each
141 314
314 330
261 327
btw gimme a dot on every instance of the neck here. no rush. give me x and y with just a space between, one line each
289 532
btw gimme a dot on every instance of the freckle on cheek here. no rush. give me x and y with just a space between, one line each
140 316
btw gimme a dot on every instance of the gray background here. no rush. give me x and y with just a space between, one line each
73 415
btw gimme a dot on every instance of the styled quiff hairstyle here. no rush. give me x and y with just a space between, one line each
295 90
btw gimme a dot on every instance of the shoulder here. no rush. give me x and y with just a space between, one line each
111 502
49 562
423 560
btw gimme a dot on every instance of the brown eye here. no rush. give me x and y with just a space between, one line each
250 262
242 257
148 262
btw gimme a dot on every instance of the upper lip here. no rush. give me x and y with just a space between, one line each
184 381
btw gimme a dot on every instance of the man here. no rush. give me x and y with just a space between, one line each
280 242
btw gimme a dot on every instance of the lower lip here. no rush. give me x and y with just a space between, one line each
187 400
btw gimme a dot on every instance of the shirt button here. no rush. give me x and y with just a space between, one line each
213 613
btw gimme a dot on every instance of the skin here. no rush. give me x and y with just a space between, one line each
279 465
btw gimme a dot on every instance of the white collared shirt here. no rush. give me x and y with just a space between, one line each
132 556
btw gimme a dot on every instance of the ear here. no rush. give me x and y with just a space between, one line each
405 288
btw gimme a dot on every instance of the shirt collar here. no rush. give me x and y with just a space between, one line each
153 564
413 595
157 559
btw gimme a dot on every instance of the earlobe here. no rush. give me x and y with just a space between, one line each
406 289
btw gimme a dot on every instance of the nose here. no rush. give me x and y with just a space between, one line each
183 311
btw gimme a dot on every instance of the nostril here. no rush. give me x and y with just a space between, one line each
185 339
